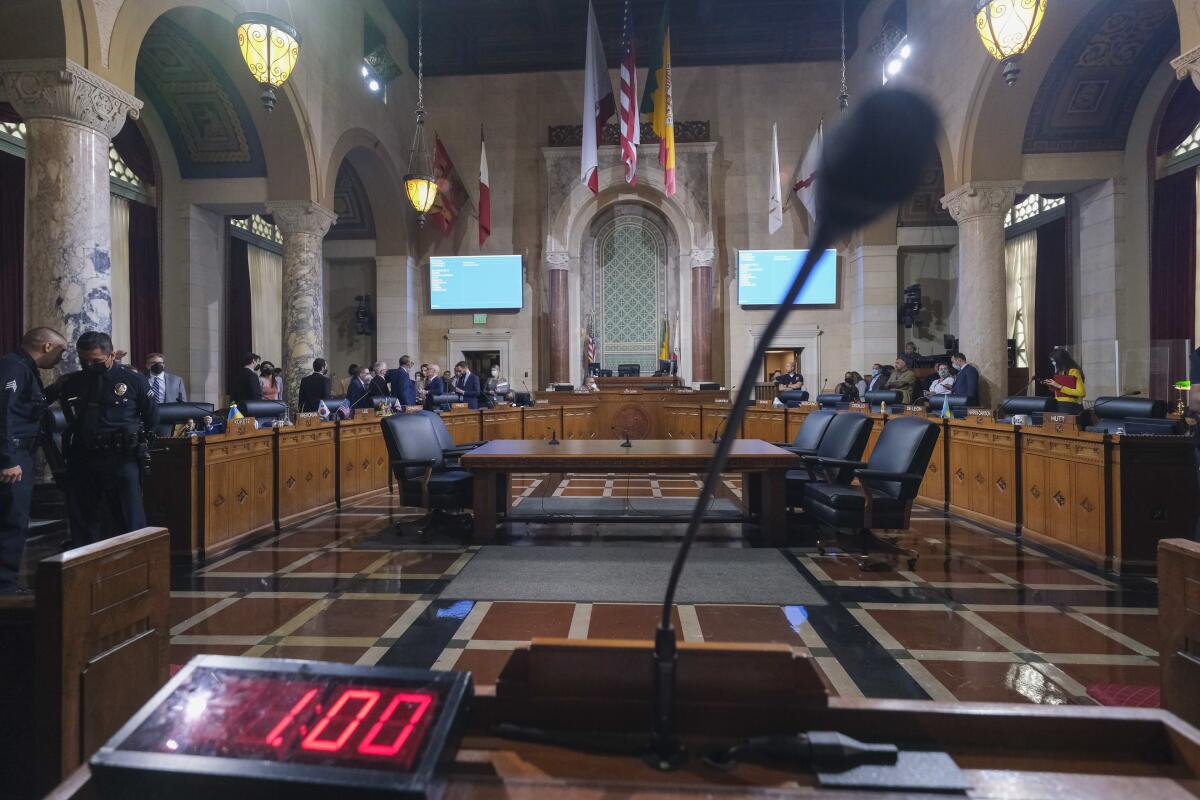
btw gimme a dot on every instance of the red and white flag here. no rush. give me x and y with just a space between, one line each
485 193
631 121
805 183
598 103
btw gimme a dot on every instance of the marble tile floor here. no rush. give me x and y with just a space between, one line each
982 617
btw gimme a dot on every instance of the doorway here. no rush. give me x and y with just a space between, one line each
482 361
776 359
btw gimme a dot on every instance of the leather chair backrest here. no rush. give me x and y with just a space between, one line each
905 445
175 413
1122 407
955 401
846 437
831 399
1022 404
334 403
410 437
813 430
445 440
878 396
792 397
266 409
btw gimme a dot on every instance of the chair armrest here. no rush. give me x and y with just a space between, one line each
881 475
469 445
409 462
803 452
841 463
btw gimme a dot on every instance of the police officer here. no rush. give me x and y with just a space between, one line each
22 403
110 411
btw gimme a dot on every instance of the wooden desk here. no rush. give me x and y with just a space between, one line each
464 425
362 456
495 461
646 382
983 470
1064 491
766 423
642 413
1179 626
540 421
306 469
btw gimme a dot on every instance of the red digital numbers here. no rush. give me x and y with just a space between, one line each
333 731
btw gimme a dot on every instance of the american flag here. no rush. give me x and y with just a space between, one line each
631 124
591 343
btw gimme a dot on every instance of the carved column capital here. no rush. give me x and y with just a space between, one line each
1188 64
981 199
703 258
301 218
559 259
57 88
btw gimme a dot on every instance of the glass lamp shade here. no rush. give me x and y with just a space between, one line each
1007 28
270 47
421 190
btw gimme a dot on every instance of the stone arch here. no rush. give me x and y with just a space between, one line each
383 181
288 142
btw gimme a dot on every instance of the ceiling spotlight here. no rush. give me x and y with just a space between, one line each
373 85
365 72
894 66
905 51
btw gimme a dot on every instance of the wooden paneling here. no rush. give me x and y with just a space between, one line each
983 470
1065 489
173 492
683 421
539 422
464 426
362 456
501 423
239 486
795 419
579 422
102 636
766 423
1152 498
641 413
306 481
713 419
1179 625
933 490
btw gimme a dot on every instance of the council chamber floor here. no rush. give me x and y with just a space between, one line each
983 617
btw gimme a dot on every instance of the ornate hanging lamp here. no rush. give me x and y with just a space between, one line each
844 94
270 47
1007 28
420 184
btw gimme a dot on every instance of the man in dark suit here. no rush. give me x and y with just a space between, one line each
401 380
966 382
314 388
466 385
357 389
246 385
878 380
378 387
434 386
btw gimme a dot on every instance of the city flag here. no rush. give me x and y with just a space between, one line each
656 100
485 193
598 103
631 121
805 185
775 199
451 193
234 413
664 343
591 341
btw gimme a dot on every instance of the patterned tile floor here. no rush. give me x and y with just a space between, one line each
982 617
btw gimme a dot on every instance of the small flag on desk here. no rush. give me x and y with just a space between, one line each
322 410
945 406
234 413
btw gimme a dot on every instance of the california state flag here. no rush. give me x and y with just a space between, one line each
485 193
599 103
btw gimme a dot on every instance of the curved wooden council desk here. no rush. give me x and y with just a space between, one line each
642 413
494 462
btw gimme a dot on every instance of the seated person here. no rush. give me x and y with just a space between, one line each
850 386
878 380
902 380
589 384
789 380
910 354
943 384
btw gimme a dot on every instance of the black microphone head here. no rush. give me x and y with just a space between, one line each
874 159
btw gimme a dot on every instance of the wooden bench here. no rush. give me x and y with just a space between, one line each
81 655
1179 624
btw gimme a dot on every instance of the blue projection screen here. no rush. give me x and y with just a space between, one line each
474 283
764 277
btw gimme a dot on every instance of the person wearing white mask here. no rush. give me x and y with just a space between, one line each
878 380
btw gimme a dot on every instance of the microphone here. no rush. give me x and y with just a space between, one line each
871 162
348 411
624 433
553 435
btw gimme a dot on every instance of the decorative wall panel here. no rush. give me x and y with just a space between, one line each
630 297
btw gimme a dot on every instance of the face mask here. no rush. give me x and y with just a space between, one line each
97 368
874 373
157 369
943 373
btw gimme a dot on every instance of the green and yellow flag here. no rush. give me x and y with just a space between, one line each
664 343
656 100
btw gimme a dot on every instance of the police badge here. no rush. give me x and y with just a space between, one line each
120 389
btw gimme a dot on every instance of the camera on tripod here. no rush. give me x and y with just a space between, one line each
910 307
364 318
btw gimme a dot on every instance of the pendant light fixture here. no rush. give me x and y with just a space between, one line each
270 47
1007 28
420 184
844 95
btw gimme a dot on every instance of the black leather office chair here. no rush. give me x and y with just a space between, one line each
957 404
1031 406
172 414
887 486
831 399
792 397
450 450
264 409
812 430
889 396
845 439
421 470
1132 415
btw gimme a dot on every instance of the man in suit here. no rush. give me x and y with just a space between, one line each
246 385
357 389
166 387
466 385
314 388
966 382
878 380
378 387
434 386
403 387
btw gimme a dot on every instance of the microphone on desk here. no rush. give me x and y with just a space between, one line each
348 411
625 434
553 435
874 159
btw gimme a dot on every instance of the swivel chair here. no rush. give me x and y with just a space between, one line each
172 414
890 397
887 486
792 397
1034 407
845 440
265 409
1132 415
421 470
832 399
450 450
808 438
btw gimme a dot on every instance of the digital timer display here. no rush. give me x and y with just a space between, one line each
237 725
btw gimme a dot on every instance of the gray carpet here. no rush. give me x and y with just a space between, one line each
630 575
621 507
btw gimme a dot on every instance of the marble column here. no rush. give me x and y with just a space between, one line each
71 115
979 210
557 266
702 313
303 225
873 336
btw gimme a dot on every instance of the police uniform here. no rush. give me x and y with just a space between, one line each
109 414
22 403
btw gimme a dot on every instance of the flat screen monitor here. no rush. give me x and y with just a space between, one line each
764 277
475 283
